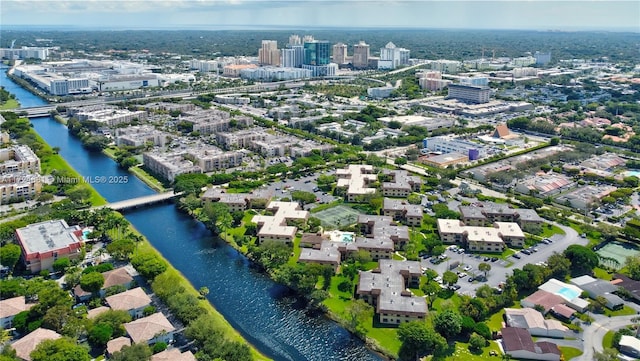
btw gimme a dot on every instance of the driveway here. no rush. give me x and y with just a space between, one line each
560 243
594 333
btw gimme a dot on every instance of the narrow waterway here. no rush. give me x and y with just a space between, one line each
275 323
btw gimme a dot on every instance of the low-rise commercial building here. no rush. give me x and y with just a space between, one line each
469 93
544 185
586 197
43 243
444 160
275 228
449 144
385 288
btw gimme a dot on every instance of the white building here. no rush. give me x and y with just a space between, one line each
469 93
292 57
392 57
270 73
24 52
322 70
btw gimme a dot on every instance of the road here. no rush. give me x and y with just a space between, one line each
594 333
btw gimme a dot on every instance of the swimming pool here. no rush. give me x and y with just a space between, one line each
568 293
632 173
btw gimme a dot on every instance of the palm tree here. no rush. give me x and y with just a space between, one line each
484 267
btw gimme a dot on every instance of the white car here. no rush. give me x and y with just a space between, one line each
467 268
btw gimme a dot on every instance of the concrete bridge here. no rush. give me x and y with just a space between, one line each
141 201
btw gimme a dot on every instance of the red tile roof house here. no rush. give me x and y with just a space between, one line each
173 355
133 301
116 277
150 329
117 344
42 243
28 343
10 307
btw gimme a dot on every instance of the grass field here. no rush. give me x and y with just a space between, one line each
338 216
55 161
10 104
607 340
570 352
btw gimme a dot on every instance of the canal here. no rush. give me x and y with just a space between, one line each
275 323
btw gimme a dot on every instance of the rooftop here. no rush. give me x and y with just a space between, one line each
356 177
276 225
173 355
144 329
28 343
47 236
129 300
13 306
117 344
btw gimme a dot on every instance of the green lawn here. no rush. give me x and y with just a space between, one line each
570 352
10 104
607 340
495 321
148 179
625 311
441 303
602 274
550 231
461 352
55 161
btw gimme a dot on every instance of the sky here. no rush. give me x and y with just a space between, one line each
618 15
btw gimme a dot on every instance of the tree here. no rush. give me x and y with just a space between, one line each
121 249
304 197
448 323
418 339
583 259
633 267
159 347
61 264
92 282
431 290
190 183
484 267
62 349
204 291
608 354
9 255
559 265
135 352
149 265
477 342
115 319
359 313
100 334
271 254
449 278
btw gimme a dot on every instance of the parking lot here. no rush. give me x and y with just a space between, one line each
501 268
283 189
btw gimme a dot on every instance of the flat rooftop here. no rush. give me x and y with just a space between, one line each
47 236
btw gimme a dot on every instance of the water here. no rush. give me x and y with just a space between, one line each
261 310
24 96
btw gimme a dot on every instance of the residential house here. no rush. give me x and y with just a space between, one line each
133 301
117 344
10 307
517 343
534 322
150 329
630 346
28 343
173 354
116 277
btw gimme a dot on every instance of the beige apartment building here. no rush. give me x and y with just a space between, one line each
356 178
275 228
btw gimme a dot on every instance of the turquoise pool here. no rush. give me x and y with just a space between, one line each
632 173
568 293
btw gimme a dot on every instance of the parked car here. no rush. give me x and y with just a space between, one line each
470 279
493 259
526 251
517 256
467 268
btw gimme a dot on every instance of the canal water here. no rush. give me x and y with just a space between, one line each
260 309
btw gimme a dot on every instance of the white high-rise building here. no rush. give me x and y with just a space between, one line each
340 53
392 57
292 57
294 40
268 53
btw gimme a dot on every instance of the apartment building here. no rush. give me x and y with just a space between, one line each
385 288
237 201
43 243
486 213
109 116
355 178
275 228
141 135
481 239
19 158
400 184
169 165
382 228
401 210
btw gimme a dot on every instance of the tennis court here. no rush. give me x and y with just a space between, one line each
338 216
618 251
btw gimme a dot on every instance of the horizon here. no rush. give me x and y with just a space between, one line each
218 15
